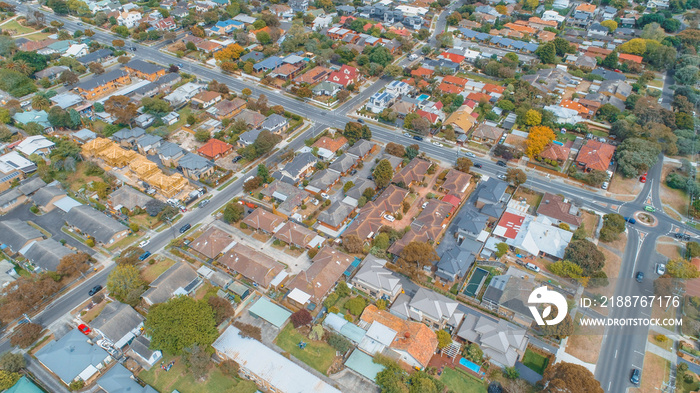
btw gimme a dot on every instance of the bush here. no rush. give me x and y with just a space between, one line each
244 225
338 342
76 385
356 305
90 242
26 335
301 318
229 367
34 209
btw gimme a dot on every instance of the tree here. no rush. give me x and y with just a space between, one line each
180 323
473 353
301 318
229 367
202 135
569 377
561 330
96 68
381 241
681 268
611 61
342 289
124 284
155 106
356 305
444 339
383 173
264 173
610 24
233 212
353 244
8 379
635 46
122 108
222 309
347 186
355 131
252 184
501 249
538 138
395 149
533 118
26 335
73 263
516 176
463 164
419 254
547 53
687 75
12 362
118 43
197 360
586 255
340 343
635 156
231 52
580 233
692 250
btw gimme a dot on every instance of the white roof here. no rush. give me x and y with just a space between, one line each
31 144
66 203
268 365
75 49
539 235
279 278
13 161
299 296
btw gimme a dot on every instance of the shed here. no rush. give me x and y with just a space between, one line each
270 312
364 364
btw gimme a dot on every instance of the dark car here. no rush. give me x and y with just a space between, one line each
354 171
630 220
639 277
501 163
636 376
478 165
95 289
418 138
237 158
360 121
185 228
144 256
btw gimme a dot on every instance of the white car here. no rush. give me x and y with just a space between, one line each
436 143
660 269
424 205
315 201
502 177
389 217
469 154
406 134
605 185
324 195
144 243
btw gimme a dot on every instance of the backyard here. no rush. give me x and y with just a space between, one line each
316 354
458 381
178 378
535 362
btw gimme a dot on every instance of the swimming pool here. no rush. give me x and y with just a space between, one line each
422 97
470 365
475 282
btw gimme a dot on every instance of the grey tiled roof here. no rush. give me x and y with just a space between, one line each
16 234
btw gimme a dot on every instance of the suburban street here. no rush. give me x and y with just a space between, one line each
622 347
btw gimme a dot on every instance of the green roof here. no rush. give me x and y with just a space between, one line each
363 364
24 385
270 312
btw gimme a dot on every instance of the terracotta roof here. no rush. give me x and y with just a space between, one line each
262 219
211 242
509 225
575 106
462 118
485 131
422 72
596 155
414 171
206 96
432 117
412 337
555 152
314 75
555 207
478 97
456 182
520 28
540 21
293 233
632 58
370 218
594 51
491 88
252 264
448 88
455 80
586 7
213 148
285 69
330 144
208 46
327 267
452 57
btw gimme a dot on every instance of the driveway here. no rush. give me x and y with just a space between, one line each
362 173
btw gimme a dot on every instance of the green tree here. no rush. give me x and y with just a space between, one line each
516 176
444 339
263 37
547 53
381 241
681 268
202 135
501 249
342 289
692 250
383 173
635 156
569 377
418 254
264 174
12 362
124 284
463 164
473 353
8 379
356 305
233 212
561 330
611 60
180 323
586 255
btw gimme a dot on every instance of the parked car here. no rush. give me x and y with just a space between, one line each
204 203
636 376
660 269
532 267
407 134
424 205
502 176
389 217
360 121
144 256
185 228
639 277
436 143
84 329
501 163
315 202
144 243
353 172
236 159
95 289
643 179
605 185
324 195
183 209
418 138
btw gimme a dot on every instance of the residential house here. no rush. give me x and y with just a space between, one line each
226 109
361 149
461 120
215 149
313 284
225 27
456 183
252 119
129 18
252 264
345 76
10 199
491 192
503 342
380 101
126 197
336 215
83 135
45 255
597 30
148 144
560 210
289 197
327 146
376 280
35 144
322 181
211 243
127 136
8 275
431 308
144 120
487 133
183 94
45 197
370 219
100 85
179 279
398 88
16 234
119 380
14 166
51 73
343 164
300 166
269 369
412 173
313 76
298 236
264 221
248 138
95 224
206 99
76 50
99 56
85 359
276 124
139 350
326 88
118 323
556 153
195 167
426 227
456 262
169 153
504 295
595 155
40 117
353 195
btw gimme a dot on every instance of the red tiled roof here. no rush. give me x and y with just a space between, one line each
555 207
596 155
330 144
575 106
632 58
452 57
455 80
491 88
448 88
433 118
509 225
478 97
422 72
555 152
213 148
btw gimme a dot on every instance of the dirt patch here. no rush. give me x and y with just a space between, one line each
585 343
624 186
295 253
531 197
656 371
675 199
666 247
185 139
618 244
590 222
667 344
262 238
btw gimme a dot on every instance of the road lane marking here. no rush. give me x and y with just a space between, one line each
616 353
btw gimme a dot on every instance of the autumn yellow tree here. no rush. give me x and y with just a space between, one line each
533 118
635 46
610 24
231 52
502 9
538 138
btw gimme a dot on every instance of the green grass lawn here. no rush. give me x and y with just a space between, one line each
14 25
458 381
535 361
317 354
37 36
178 378
563 138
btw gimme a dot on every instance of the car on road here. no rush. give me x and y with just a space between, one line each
636 376
660 269
418 138
324 195
79 23
389 217
630 220
353 172
501 163
469 154
436 143
360 121
478 166
424 205
639 277
643 179
407 134
649 208
370 177
84 329
144 243
204 203
183 209
145 256
185 228
502 176
95 289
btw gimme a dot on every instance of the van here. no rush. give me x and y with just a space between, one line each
532 267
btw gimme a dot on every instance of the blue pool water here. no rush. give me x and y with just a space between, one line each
470 365
422 97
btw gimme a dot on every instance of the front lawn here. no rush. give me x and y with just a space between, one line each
18 29
178 378
151 272
535 361
316 354
458 381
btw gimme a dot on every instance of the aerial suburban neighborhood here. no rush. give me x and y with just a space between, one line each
349 196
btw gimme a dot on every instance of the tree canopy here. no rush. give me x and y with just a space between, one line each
180 323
